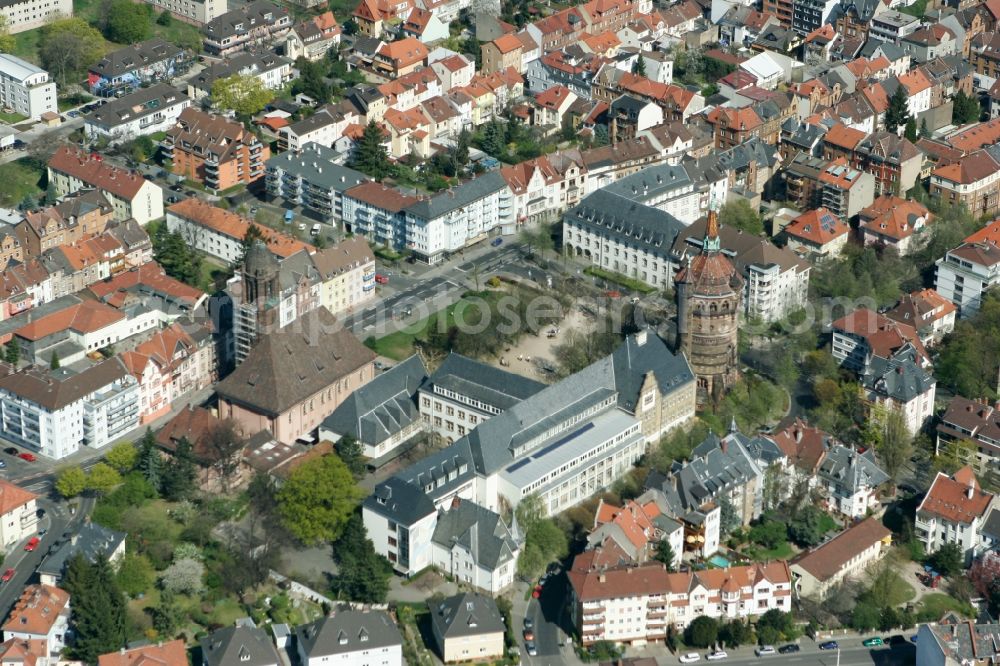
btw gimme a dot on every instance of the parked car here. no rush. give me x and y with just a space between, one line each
529 635
30 457
872 642
381 279
529 623
32 544
718 655
791 648
2 464
7 575
690 658
829 645
764 650
176 188
530 648
497 242
11 451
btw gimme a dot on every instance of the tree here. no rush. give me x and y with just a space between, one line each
224 441
898 112
806 527
243 93
702 632
167 615
363 575
865 617
7 41
740 215
103 478
98 612
893 444
176 256
544 542
310 81
67 47
910 132
984 574
141 148
729 520
127 22
71 482
639 67
965 109
12 352
493 139
54 361
769 534
948 560
122 457
317 500
370 155
149 463
184 576
177 481
166 19
735 633
665 553
774 625
135 574
349 450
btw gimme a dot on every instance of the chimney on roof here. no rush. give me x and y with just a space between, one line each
602 578
970 491
798 435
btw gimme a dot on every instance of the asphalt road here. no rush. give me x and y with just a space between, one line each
58 522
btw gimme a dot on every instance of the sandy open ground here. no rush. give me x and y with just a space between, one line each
534 347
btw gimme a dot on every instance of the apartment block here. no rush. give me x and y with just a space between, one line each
956 510
844 557
215 151
25 88
146 111
22 15
311 178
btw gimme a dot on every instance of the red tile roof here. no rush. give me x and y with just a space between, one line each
377 194
826 561
844 137
230 224
37 610
404 52
894 217
85 317
152 276
818 226
973 168
957 498
804 445
13 497
93 170
883 335
554 97
171 653
634 520
507 43
977 136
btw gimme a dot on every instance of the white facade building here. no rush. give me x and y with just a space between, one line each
144 112
18 514
966 273
351 638
25 88
955 510
25 15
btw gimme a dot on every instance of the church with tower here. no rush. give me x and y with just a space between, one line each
709 292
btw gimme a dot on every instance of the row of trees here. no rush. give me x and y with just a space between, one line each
771 627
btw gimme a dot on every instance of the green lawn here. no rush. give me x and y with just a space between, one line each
26 45
782 551
12 118
213 274
936 604
828 524
20 179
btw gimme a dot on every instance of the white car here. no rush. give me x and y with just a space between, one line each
718 655
690 658
765 650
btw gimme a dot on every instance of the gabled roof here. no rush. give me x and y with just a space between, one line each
826 561
466 614
894 217
347 631
37 610
477 530
171 653
94 171
239 646
957 498
13 497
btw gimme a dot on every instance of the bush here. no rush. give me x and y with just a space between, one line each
702 632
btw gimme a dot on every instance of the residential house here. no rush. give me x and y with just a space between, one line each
197 13
131 195
846 556
630 116
25 88
347 274
501 53
396 59
894 222
454 71
550 107
971 430
214 151
928 311
150 284
252 24
636 529
646 599
90 542
863 333
220 233
467 626
425 26
128 68
80 214
273 72
171 653
356 637
374 17
242 644
310 177
293 379
843 190
382 415
955 511
817 233
18 514
972 181
146 111
313 38
849 481
41 613
375 211
966 273
955 640
932 41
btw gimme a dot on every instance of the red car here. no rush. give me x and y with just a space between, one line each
30 457
32 544
7 575
381 279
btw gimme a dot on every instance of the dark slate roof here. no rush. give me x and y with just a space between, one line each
291 364
900 377
247 17
478 530
739 157
639 355
136 56
650 228
482 382
239 646
400 501
383 406
467 614
846 467
458 196
90 541
650 182
348 631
